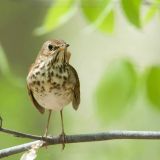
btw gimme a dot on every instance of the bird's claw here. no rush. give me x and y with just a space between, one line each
44 138
62 139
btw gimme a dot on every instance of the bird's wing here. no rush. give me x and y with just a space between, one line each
76 97
76 90
36 104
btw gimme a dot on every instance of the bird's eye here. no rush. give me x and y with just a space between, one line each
50 47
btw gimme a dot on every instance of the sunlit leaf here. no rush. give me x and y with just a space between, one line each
153 85
107 24
58 14
131 9
116 89
4 67
92 9
153 9
150 14
99 13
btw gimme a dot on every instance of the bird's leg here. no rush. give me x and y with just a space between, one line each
46 130
62 135
47 126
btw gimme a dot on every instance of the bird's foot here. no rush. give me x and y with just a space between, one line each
62 139
44 138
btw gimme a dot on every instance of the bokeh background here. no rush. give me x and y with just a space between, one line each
115 48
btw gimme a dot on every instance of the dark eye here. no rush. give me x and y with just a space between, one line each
50 47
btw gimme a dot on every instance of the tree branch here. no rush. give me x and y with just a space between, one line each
149 3
110 135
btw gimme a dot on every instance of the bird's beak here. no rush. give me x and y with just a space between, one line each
67 45
64 48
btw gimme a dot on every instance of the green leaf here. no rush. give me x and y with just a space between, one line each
4 66
153 85
115 90
150 14
154 8
131 9
107 25
99 13
57 15
92 9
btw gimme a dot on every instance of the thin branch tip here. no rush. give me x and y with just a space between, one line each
1 121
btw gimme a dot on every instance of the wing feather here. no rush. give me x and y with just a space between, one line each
76 90
36 104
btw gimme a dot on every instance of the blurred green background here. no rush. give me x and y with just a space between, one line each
115 48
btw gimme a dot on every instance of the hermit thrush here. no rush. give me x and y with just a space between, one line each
52 82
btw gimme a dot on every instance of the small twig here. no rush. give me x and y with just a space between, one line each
20 134
1 120
149 3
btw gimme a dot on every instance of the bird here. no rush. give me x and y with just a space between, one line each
52 82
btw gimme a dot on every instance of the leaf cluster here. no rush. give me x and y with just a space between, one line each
121 85
100 14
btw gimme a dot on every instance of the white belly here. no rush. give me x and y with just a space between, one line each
52 100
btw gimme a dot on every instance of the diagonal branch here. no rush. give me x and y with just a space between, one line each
22 135
110 135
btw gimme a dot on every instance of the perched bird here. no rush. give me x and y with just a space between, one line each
52 82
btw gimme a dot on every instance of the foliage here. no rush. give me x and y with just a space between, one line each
116 89
152 85
100 14
132 11
119 85
59 12
152 10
